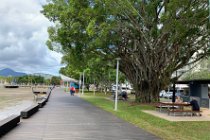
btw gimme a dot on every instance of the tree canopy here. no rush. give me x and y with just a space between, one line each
153 38
30 79
55 80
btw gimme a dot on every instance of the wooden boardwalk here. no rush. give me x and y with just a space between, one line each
66 117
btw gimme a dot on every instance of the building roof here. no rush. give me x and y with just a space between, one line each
68 79
197 81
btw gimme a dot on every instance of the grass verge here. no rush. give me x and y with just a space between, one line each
162 128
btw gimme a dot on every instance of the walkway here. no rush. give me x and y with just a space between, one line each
66 117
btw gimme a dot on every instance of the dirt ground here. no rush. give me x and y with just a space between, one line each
14 100
164 115
11 96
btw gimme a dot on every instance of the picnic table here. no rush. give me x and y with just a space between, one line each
176 107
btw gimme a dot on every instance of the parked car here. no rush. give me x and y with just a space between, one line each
121 89
168 95
113 90
126 89
162 93
178 94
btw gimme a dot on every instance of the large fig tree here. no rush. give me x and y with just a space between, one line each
153 38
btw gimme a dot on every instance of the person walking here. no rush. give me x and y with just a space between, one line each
72 90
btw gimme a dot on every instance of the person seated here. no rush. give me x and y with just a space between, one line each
124 95
195 105
178 99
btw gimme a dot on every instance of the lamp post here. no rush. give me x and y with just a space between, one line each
80 77
83 82
209 10
94 87
174 89
116 93
67 86
208 43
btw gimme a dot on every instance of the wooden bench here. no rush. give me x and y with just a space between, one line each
47 96
29 111
8 123
49 93
184 112
42 102
37 93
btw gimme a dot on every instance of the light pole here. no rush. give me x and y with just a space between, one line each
209 10
116 93
80 77
208 43
94 87
67 86
83 82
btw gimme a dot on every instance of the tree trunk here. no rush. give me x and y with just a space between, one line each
147 92
146 83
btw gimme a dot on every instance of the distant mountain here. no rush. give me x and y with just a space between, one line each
9 72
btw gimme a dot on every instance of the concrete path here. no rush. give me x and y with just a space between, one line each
66 117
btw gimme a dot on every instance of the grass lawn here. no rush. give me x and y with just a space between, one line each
162 128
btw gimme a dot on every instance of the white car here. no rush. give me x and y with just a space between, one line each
121 89
168 95
162 93
126 89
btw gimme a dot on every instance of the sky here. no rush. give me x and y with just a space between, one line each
23 36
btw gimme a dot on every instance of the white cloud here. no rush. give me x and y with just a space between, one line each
23 33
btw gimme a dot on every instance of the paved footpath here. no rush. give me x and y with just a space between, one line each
66 117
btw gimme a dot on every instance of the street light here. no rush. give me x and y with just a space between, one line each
174 89
80 79
116 94
209 10
208 43
94 87
83 82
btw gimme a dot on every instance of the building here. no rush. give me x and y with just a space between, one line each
198 89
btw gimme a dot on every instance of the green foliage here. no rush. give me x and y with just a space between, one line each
55 80
47 81
200 71
203 74
3 78
30 79
198 75
152 38
24 80
70 71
